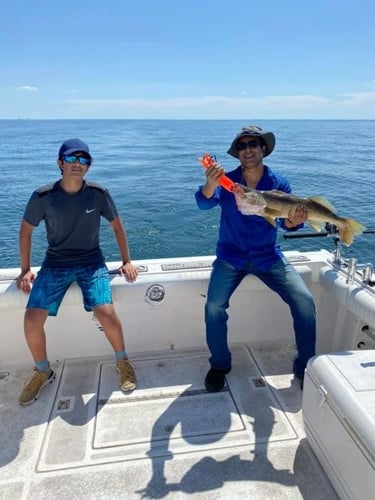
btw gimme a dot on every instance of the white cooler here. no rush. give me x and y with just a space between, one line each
339 418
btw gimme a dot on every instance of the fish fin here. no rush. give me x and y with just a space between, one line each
317 225
323 201
270 219
349 228
270 215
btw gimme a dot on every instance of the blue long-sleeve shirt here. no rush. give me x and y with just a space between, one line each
246 238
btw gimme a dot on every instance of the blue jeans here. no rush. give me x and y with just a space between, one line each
283 279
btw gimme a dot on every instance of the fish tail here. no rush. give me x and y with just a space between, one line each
350 228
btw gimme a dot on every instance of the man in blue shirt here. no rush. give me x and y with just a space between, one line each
247 245
71 209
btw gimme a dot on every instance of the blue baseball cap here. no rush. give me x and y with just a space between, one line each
73 146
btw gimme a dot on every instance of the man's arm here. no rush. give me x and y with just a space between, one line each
127 267
205 195
26 277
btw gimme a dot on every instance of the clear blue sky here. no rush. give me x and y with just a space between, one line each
191 59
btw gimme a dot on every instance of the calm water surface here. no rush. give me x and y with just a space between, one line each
152 171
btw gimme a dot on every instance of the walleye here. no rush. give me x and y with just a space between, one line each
274 204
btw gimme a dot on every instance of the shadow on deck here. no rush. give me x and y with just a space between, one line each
84 438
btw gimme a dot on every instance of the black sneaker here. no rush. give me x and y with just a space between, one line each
215 379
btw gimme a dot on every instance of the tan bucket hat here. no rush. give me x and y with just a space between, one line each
255 131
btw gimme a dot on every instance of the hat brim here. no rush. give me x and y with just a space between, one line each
268 138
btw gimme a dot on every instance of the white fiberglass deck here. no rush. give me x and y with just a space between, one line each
84 438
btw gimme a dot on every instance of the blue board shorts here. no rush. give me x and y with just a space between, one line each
51 284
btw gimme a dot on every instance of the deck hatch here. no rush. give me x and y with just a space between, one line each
162 401
170 412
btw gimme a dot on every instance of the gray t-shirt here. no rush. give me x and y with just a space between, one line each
72 222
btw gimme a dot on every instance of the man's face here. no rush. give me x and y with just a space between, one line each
74 164
250 151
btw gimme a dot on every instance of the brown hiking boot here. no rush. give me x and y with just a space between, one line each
33 386
128 381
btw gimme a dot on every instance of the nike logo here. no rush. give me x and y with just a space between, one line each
90 211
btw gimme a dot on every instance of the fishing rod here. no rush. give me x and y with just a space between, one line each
318 235
331 230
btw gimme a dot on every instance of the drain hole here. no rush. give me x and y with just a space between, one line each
63 404
259 382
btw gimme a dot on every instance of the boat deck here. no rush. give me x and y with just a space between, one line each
169 438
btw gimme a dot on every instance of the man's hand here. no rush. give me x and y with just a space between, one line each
24 281
297 216
129 271
213 175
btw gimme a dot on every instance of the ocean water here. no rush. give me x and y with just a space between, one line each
151 168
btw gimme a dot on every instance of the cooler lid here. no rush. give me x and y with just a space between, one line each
356 367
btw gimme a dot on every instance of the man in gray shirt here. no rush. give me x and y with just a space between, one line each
71 209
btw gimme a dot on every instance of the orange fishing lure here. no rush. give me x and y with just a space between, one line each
207 161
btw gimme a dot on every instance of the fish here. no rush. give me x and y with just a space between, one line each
274 204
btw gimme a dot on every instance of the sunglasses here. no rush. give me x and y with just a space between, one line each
73 158
241 146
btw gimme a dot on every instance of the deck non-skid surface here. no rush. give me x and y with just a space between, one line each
169 438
